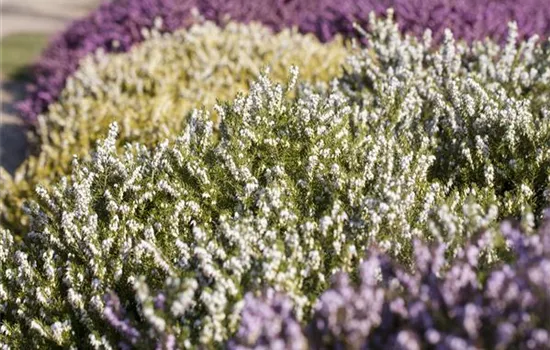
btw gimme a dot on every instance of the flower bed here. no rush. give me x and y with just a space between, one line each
158 247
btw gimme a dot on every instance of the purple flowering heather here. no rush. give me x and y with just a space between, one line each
114 314
440 305
468 19
115 27
269 323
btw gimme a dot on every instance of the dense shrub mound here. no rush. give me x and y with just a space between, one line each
443 303
485 109
157 247
116 26
150 90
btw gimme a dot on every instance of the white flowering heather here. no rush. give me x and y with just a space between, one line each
485 108
157 247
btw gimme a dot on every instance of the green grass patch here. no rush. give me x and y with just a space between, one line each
19 51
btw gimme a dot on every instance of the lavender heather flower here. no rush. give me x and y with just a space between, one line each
157 332
438 304
268 323
114 314
116 25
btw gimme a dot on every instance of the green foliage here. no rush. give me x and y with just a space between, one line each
18 52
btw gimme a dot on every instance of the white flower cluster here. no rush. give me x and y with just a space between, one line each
483 108
412 141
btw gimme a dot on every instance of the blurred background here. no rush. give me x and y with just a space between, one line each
25 28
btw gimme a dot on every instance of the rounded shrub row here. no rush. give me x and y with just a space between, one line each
146 247
117 25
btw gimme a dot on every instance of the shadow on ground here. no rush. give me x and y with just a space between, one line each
13 140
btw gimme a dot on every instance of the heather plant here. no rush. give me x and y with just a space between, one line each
468 19
150 90
116 26
157 247
485 108
442 303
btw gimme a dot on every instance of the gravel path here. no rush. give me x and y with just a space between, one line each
32 16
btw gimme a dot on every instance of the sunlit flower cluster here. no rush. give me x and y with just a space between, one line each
484 109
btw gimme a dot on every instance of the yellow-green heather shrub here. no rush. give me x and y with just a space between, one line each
151 89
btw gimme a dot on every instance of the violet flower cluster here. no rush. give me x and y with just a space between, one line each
116 26
269 322
444 303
